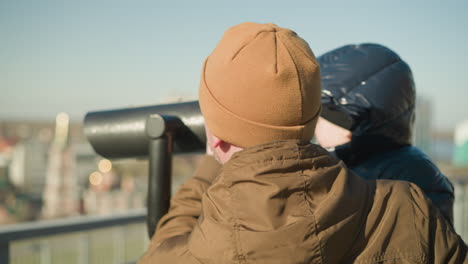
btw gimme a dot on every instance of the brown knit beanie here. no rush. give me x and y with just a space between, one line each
260 84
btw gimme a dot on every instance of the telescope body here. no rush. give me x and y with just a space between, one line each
122 133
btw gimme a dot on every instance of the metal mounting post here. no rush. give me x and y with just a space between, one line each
160 131
5 252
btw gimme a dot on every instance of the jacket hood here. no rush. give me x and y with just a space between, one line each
284 202
369 90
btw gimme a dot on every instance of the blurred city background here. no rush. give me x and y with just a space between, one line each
61 59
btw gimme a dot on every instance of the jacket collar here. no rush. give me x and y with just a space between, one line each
363 147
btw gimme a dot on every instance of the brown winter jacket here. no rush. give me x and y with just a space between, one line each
287 202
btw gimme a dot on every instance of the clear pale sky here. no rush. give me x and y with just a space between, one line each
77 56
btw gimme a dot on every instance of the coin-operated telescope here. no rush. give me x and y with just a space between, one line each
153 132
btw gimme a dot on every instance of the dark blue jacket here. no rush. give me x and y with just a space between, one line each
369 90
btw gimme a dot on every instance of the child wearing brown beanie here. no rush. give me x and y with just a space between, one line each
276 198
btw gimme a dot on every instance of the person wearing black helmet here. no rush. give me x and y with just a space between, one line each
368 104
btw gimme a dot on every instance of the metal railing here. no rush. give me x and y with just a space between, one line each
92 239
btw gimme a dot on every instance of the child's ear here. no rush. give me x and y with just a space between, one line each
217 142
224 146
348 134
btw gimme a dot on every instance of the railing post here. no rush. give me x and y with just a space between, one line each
465 212
45 253
5 252
83 248
458 208
119 247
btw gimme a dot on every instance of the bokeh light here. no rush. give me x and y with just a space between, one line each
105 165
95 178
